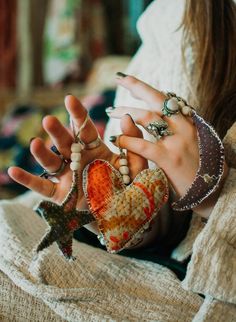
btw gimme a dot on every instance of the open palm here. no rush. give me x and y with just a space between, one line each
62 138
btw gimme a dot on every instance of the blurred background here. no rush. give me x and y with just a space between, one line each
49 48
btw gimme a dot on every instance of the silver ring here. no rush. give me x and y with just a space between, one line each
158 129
92 145
170 106
46 174
101 239
53 190
174 104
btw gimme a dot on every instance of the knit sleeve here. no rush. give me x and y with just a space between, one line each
212 269
160 36
214 310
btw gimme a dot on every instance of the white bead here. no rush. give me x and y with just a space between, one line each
123 162
75 156
76 147
186 110
126 179
181 104
172 104
124 169
74 166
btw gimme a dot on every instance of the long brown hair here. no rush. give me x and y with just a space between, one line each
210 27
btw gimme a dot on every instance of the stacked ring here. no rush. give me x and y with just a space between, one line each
46 174
173 104
92 145
158 129
52 192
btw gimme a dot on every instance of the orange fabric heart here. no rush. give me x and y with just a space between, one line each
122 212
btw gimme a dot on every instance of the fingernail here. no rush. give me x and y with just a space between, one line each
32 139
113 138
53 148
120 75
68 94
130 117
109 109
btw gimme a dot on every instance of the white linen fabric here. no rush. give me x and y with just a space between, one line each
97 286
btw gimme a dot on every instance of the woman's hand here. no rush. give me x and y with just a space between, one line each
62 138
177 154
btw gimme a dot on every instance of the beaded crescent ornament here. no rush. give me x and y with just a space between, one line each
122 212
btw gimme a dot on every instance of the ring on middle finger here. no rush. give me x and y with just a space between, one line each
158 129
92 145
46 174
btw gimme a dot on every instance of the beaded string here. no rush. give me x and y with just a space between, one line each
64 219
123 162
124 169
77 146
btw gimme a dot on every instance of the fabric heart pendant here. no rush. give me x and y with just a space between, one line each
122 212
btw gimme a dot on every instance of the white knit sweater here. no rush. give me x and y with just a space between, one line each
102 287
158 62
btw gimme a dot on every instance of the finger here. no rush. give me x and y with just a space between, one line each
143 148
154 98
30 181
143 91
59 135
136 162
145 118
139 115
78 115
181 124
46 158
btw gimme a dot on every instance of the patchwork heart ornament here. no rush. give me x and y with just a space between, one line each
123 212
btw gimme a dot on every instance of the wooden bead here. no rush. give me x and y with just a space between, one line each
75 156
123 162
74 165
126 179
76 147
124 169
